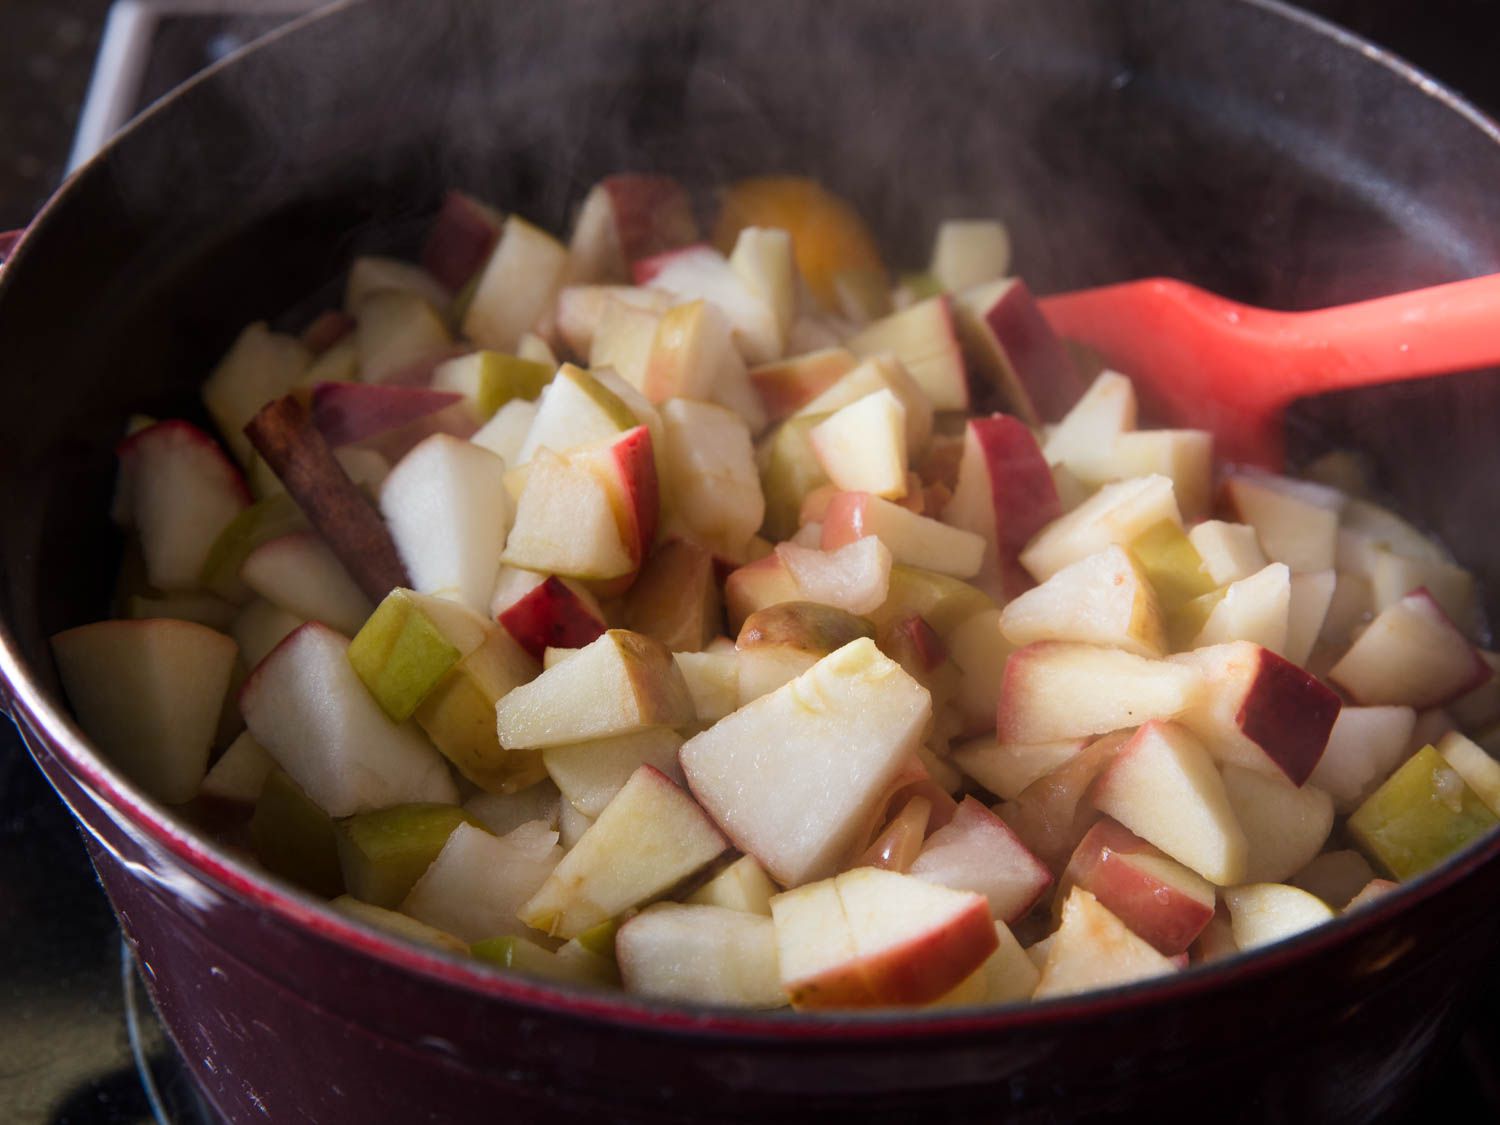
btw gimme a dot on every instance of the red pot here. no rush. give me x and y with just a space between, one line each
1233 143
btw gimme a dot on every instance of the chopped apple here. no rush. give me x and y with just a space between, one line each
1054 690
179 492
299 573
976 851
785 386
1005 494
1307 608
625 218
543 611
305 704
1265 913
1156 897
1104 599
589 774
924 338
262 521
1335 877
789 470
515 286
1006 769
566 524
1230 551
260 627
395 331
1094 949
489 380
204 609
575 409
1296 521
626 467
792 776
701 954
872 937
713 682
1259 710
503 813
743 885
1411 654
1118 513
399 924
855 578
872 375
1010 345
1286 825
505 433
711 479
1478 769
478 882
758 585
913 540
777 644
240 773
262 365
1183 456
1106 410
1479 708
383 853
700 272
1394 576
460 240
1422 814
763 259
293 837
620 683
409 644
676 598
648 838
1364 746
969 252
939 599
149 693
1163 786
862 446
1254 609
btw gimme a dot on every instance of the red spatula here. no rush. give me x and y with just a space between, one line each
1201 361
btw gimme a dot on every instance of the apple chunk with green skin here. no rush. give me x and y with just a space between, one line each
1259 710
1411 654
489 380
620 683
649 837
793 776
477 883
149 693
1094 949
1104 599
1054 690
913 540
1286 825
179 491
1164 787
1264 913
383 853
977 851
305 704
1005 494
448 512
1424 813
702 955
1158 898
870 938
408 645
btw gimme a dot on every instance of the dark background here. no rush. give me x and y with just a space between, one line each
64 1054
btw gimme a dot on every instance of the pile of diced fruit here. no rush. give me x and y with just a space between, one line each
731 625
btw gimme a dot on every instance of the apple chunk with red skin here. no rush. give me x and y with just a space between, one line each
1259 710
1005 494
1411 654
460 240
624 218
179 491
793 776
870 938
543 611
1158 898
650 837
1165 788
306 705
1010 346
977 851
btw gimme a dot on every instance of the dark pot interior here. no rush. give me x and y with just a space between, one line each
1228 143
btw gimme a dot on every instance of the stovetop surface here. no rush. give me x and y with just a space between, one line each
79 1043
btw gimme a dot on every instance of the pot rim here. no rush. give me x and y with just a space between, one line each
29 703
